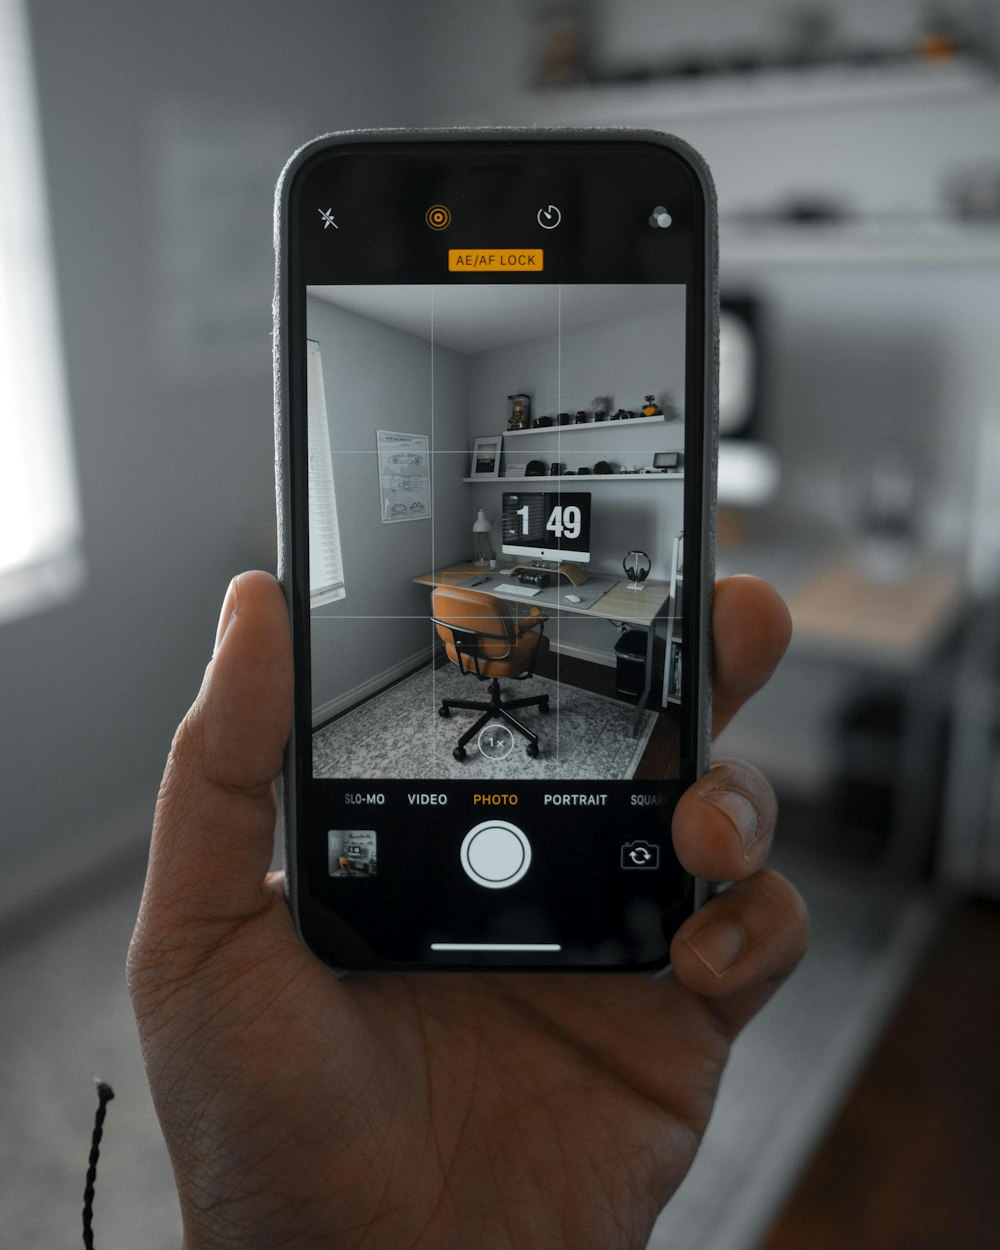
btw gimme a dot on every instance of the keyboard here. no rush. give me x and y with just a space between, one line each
511 588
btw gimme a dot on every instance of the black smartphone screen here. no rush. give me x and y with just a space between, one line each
497 373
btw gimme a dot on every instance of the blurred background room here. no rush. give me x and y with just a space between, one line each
856 151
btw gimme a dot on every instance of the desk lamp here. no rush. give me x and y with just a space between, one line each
481 539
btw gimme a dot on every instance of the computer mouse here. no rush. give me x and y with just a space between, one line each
572 598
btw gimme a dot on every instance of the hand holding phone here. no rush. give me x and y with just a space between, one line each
298 1107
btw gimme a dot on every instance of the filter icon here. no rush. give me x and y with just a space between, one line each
438 217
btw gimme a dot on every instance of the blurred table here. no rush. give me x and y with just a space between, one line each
895 625
898 629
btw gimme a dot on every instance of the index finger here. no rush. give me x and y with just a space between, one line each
751 629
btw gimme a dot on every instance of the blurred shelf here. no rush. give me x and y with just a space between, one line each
580 477
928 242
657 101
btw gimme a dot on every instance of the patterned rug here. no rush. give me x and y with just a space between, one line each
399 734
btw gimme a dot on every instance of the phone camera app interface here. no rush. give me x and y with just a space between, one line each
498 720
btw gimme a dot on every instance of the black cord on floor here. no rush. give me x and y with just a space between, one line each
104 1095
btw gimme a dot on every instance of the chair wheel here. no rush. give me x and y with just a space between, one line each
543 707
459 753
532 749
444 711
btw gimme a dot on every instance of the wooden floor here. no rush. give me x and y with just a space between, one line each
912 1161
661 756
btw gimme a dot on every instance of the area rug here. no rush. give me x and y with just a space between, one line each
399 733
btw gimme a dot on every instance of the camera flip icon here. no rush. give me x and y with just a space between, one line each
640 854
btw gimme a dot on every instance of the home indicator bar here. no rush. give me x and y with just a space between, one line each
495 946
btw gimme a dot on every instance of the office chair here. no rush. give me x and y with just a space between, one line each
482 637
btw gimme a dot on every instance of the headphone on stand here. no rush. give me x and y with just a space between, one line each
638 570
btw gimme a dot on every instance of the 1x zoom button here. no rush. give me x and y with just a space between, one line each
496 854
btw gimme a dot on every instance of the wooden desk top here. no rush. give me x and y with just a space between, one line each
638 607
894 624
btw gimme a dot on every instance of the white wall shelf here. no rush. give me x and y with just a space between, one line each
588 425
578 477
777 90
930 242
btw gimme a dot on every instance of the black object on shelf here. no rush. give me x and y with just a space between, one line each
630 656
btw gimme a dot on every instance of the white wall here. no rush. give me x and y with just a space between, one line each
624 358
164 129
379 378
861 357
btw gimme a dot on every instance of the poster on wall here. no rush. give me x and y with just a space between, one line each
404 474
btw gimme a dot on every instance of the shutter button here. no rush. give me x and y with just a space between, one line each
496 854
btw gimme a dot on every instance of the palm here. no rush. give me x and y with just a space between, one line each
440 1107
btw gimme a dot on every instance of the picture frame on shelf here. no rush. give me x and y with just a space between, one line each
486 456
515 468
667 461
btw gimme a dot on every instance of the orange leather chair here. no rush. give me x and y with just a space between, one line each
487 641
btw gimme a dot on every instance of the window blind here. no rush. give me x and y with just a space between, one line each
326 570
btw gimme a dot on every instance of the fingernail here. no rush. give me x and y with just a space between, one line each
741 811
230 606
718 945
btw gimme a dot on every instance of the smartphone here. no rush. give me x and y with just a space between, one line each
495 364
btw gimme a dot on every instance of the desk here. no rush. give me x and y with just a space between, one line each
897 630
896 626
645 608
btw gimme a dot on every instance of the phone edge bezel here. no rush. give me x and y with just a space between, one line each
287 806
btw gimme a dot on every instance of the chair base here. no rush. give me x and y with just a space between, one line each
496 709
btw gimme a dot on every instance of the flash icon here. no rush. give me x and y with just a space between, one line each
327 215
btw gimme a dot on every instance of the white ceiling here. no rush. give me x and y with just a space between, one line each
473 319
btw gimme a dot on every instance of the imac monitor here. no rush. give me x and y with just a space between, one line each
546 525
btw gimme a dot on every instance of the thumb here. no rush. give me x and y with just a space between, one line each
214 826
